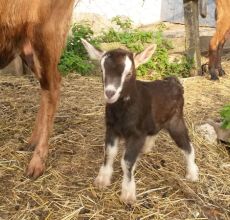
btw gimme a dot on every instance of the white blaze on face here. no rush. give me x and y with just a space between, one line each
103 65
111 86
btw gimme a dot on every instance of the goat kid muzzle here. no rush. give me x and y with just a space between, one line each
111 94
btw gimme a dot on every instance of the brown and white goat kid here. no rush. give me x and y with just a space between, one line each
136 111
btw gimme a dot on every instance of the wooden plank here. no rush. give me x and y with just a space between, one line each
192 41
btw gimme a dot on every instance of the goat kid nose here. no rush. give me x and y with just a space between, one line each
110 93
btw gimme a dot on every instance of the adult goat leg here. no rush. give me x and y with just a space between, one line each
50 85
220 52
215 49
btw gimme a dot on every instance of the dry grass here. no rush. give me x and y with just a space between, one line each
66 191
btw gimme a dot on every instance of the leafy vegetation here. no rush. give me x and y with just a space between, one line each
160 61
225 115
124 24
75 58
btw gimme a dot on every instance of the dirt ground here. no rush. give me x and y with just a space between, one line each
66 190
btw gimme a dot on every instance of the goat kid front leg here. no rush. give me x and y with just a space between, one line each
128 163
111 148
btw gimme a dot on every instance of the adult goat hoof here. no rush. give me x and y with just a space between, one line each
35 168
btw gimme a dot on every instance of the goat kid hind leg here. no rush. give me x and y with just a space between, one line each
192 172
179 134
150 142
105 173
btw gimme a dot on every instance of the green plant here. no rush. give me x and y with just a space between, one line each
225 116
161 64
161 26
74 57
135 40
124 24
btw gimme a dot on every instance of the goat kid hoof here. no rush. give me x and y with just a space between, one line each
193 174
101 182
128 199
36 168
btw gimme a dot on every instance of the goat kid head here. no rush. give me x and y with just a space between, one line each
118 67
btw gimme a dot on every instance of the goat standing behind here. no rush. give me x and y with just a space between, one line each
219 38
136 111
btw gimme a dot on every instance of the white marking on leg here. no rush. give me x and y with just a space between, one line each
128 191
192 169
149 144
105 173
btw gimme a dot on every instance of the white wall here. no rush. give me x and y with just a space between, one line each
172 10
141 12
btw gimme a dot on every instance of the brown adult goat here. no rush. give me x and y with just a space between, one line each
219 38
36 30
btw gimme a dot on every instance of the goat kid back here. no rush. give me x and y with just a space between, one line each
136 111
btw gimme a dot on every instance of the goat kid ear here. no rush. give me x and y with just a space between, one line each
144 56
94 53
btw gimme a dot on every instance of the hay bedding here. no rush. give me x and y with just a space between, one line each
65 191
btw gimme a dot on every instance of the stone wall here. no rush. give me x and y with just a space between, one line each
173 11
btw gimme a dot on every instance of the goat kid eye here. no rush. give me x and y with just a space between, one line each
129 75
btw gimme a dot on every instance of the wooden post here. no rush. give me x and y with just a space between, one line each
192 38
